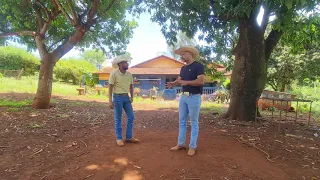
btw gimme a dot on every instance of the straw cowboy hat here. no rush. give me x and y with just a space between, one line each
192 50
120 59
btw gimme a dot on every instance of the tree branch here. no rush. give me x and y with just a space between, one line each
46 10
271 42
19 33
40 45
93 11
73 13
65 13
66 46
56 10
40 20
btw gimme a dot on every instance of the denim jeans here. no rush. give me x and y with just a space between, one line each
189 106
122 102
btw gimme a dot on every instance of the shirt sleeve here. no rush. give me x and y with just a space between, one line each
112 78
200 70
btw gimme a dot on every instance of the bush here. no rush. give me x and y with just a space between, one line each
91 79
1 76
71 70
14 58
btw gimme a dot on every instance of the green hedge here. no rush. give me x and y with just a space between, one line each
14 58
72 70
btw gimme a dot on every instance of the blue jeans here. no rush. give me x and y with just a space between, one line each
189 106
122 102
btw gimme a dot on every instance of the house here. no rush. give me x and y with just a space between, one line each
157 72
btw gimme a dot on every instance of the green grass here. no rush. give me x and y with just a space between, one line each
30 84
309 93
15 104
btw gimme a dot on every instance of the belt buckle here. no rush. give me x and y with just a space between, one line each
186 94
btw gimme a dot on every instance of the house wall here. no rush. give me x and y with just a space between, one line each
104 76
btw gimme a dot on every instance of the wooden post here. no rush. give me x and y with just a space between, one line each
20 73
280 117
286 109
309 113
272 109
295 121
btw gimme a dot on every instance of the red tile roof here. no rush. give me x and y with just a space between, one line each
155 71
158 58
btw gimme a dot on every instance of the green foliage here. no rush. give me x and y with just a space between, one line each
182 40
72 70
1 76
108 30
95 57
309 93
91 79
217 22
284 67
9 103
14 58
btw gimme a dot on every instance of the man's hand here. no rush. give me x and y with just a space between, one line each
111 106
170 84
131 99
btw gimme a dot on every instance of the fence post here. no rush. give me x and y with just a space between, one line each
21 71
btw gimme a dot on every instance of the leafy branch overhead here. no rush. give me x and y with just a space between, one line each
218 21
57 26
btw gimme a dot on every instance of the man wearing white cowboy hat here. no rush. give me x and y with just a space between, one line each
120 85
191 79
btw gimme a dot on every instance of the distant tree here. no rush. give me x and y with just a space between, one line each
182 40
93 56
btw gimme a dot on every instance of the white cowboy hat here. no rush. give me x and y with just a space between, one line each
192 50
120 59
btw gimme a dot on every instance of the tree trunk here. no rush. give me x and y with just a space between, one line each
43 96
283 87
249 72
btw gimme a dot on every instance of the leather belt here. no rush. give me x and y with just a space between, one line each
121 94
189 94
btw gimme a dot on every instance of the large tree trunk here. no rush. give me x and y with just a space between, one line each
43 96
249 72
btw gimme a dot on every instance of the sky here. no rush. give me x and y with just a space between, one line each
147 41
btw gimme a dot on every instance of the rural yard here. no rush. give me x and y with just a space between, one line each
75 140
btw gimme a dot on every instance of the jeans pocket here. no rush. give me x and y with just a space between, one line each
194 101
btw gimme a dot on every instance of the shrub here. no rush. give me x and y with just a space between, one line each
14 58
71 70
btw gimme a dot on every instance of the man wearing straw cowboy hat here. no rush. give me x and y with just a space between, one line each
191 79
120 85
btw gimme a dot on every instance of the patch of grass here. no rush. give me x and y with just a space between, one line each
10 103
14 109
212 107
30 85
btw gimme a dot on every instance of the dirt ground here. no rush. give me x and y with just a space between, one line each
75 140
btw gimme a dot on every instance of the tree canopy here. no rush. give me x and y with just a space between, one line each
93 56
217 21
58 21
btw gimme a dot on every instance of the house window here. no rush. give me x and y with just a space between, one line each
173 79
